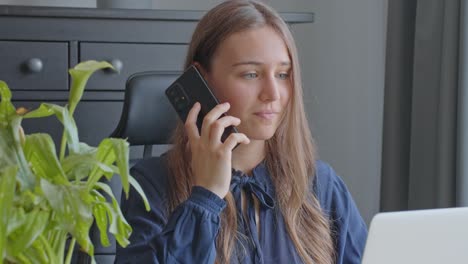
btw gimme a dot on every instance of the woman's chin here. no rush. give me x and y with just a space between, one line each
261 135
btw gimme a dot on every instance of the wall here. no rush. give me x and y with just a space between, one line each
342 57
64 3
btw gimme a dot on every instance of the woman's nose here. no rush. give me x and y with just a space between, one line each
270 89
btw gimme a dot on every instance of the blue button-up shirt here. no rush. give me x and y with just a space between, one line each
189 233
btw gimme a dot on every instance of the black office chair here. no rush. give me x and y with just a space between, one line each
147 119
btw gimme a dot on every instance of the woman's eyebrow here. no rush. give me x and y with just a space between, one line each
257 63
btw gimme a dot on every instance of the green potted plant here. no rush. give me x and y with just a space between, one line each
46 198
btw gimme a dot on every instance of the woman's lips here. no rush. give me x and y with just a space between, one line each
268 115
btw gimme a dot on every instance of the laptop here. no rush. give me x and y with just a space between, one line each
424 236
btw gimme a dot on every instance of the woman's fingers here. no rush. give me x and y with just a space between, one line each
191 122
211 117
213 127
218 127
234 139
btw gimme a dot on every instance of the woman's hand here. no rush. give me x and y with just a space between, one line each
211 158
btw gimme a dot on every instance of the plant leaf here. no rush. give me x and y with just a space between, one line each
7 148
44 110
122 159
62 114
7 109
107 208
72 205
119 227
40 152
33 226
100 215
7 192
11 152
78 167
140 191
80 75
105 154
36 252
86 149
17 219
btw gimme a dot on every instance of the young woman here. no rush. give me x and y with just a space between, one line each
268 200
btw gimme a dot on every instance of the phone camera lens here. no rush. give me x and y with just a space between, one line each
181 103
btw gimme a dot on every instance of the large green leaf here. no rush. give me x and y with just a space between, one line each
72 205
104 208
119 226
36 253
62 114
105 154
10 144
78 167
100 215
11 152
6 107
112 150
25 174
86 149
140 191
80 75
7 148
17 218
7 192
122 159
29 199
33 226
40 152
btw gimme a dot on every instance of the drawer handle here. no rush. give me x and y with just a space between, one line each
117 64
34 65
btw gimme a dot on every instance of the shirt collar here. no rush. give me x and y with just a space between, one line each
259 184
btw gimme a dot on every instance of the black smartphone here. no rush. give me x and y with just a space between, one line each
190 88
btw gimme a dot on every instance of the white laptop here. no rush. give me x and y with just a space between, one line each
436 236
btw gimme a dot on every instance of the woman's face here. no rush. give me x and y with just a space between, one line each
251 70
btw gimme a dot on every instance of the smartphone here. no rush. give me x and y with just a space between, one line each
190 88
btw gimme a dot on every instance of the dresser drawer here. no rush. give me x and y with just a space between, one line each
28 65
132 58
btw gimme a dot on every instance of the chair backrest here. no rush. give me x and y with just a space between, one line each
147 116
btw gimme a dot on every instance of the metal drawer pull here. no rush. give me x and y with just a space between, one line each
117 64
34 65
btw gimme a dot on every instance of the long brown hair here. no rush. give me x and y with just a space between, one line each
292 174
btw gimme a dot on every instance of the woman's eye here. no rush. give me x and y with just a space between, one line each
283 76
250 75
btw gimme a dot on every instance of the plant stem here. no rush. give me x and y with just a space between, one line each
47 248
70 251
21 257
63 145
62 240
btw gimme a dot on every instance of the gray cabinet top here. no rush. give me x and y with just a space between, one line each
132 14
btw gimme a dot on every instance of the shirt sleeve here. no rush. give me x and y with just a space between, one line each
187 235
348 227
